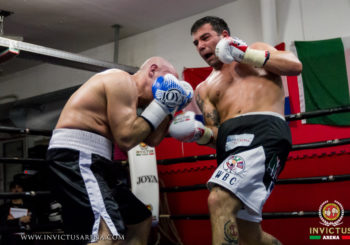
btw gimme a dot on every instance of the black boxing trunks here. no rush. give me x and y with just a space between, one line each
251 152
89 185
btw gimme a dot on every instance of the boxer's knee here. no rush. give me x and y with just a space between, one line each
221 201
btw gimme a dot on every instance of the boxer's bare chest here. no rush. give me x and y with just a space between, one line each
237 89
229 83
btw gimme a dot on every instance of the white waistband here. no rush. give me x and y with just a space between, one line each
82 141
271 113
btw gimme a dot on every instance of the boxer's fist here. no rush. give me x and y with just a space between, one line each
169 95
186 128
189 94
230 49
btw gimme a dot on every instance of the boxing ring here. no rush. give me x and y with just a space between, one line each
293 206
292 213
316 174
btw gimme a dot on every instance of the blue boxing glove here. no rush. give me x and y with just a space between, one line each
169 95
189 94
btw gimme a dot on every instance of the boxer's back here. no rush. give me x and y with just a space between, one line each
86 109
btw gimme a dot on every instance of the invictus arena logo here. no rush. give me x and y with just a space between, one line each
143 146
144 150
331 215
234 164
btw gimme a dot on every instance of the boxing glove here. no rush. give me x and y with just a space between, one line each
230 49
189 94
168 95
186 128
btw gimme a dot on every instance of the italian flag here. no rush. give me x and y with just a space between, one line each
324 81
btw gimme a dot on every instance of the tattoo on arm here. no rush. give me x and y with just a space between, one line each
199 102
213 116
210 118
230 233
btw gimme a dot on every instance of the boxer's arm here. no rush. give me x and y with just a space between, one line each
127 128
159 133
210 114
259 54
283 63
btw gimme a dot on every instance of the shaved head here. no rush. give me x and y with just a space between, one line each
149 71
162 65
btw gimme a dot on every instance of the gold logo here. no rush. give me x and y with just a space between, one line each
331 213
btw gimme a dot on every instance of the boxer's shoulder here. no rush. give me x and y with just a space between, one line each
118 81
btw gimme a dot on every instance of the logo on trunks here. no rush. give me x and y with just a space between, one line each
234 164
147 179
237 140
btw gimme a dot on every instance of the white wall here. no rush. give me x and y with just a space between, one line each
296 20
174 41
326 18
312 19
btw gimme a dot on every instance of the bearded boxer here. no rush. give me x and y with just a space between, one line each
102 111
242 102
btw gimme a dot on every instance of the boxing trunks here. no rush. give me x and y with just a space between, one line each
251 152
89 185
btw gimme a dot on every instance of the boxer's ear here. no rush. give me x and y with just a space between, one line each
225 33
152 70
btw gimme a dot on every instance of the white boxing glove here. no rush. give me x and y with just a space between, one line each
230 49
186 128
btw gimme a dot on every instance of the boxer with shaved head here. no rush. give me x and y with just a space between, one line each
101 112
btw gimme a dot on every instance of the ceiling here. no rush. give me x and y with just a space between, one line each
77 25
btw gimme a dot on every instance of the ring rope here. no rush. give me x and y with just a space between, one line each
39 161
305 180
267 215
314 180
317 113
37 228
319 144
25 131
12 195
186 159
291 117
36 161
